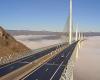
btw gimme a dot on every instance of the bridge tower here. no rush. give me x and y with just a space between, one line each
68 71
76 33
70 23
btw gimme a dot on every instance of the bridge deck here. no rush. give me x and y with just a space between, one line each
88 63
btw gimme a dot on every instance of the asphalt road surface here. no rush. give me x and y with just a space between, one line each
5 69
53 69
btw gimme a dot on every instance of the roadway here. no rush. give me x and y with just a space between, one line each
53 69
7 68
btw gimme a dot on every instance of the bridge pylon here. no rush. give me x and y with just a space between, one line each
76 33
70 23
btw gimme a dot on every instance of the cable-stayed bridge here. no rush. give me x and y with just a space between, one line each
52 63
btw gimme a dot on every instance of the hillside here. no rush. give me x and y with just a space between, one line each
8 45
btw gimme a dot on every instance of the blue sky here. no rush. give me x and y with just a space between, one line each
49 14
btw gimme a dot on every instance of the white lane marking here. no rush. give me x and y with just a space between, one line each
46 69
68 54
26 62
56 71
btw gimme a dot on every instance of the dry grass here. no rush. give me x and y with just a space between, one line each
9 45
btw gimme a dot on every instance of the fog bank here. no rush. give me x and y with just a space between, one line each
88 64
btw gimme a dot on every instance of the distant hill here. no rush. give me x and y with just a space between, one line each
27 32
9 45
92 33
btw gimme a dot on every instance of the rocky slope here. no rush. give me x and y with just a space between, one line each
8 45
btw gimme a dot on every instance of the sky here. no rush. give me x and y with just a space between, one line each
50 15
